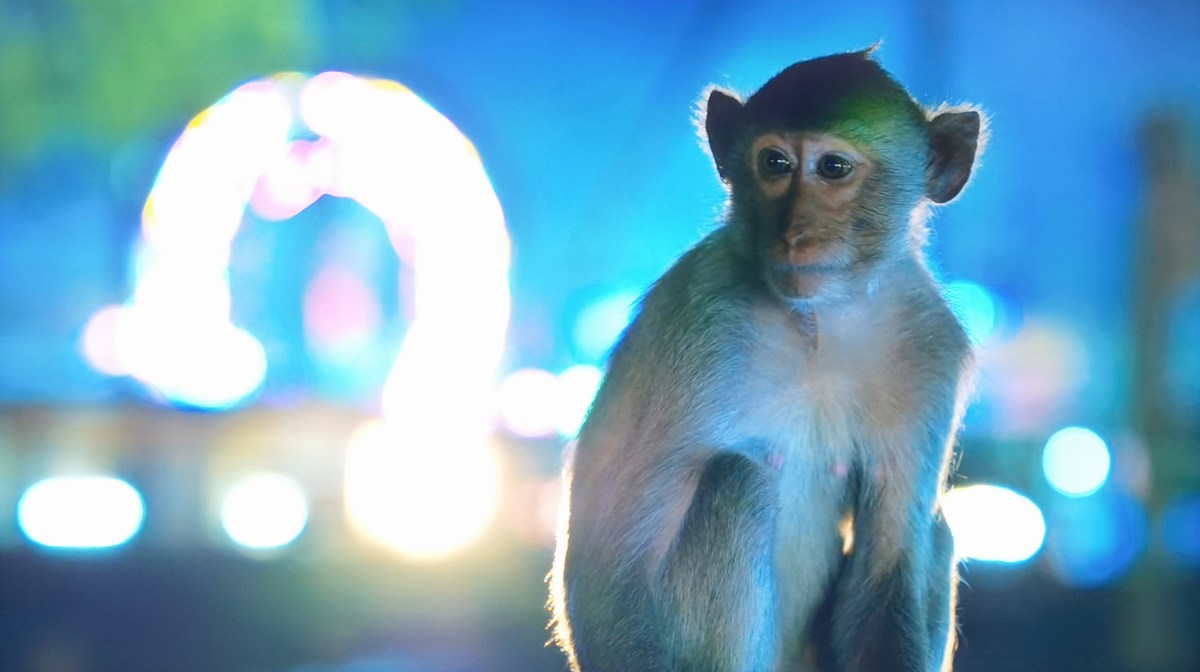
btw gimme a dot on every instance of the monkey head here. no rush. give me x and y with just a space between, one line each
829 166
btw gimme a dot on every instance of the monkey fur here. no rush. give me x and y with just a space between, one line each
756 485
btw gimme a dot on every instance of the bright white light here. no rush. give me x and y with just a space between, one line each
600 324
80 512
264 511
577 388
197 363
529 402
993 523
975 307
1076 461
423 500
100 341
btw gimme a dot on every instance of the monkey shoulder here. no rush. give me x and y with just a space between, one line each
685 343
694 312
933 341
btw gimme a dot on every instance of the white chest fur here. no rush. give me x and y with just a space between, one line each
812 391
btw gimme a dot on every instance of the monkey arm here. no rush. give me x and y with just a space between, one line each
666 559
705 601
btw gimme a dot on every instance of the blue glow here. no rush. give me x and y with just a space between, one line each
993 524
1094 541
1076 461
1181 529
80 512
975 308
600 324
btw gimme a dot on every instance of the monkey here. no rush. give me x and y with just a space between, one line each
755 487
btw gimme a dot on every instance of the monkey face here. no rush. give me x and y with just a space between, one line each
807 188
828 165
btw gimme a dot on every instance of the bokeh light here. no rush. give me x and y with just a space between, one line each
975 307
577 387
423 500
264 511
99 341
1076 461
1094 540
528 402
600 323
993 523
80 512
1180 529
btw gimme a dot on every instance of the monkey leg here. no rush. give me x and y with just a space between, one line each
718 578
886 603
942 597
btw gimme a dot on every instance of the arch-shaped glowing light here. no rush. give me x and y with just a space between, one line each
80 512
379 144
1076 461
993 523
264 511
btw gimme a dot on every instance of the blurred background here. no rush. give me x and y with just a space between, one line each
300 302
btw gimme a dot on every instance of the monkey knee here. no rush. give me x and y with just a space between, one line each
733 489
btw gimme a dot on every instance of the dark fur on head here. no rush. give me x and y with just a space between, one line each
850 94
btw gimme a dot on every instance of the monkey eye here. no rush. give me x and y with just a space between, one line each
834 166
774 162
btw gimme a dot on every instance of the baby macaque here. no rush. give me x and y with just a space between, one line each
756 486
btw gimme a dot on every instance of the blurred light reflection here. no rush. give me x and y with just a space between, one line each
577 387
264 511
1181 529
1094 540
424 497
1076 461
528 401
80 512
993 523
975 307
600 323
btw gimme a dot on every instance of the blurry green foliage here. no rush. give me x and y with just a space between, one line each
96 72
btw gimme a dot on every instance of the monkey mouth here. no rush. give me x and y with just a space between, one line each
803 281
813 268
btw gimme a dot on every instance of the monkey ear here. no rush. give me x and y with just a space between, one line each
720 116
955 137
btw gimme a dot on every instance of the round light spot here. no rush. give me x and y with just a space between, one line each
264 511
1076 461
